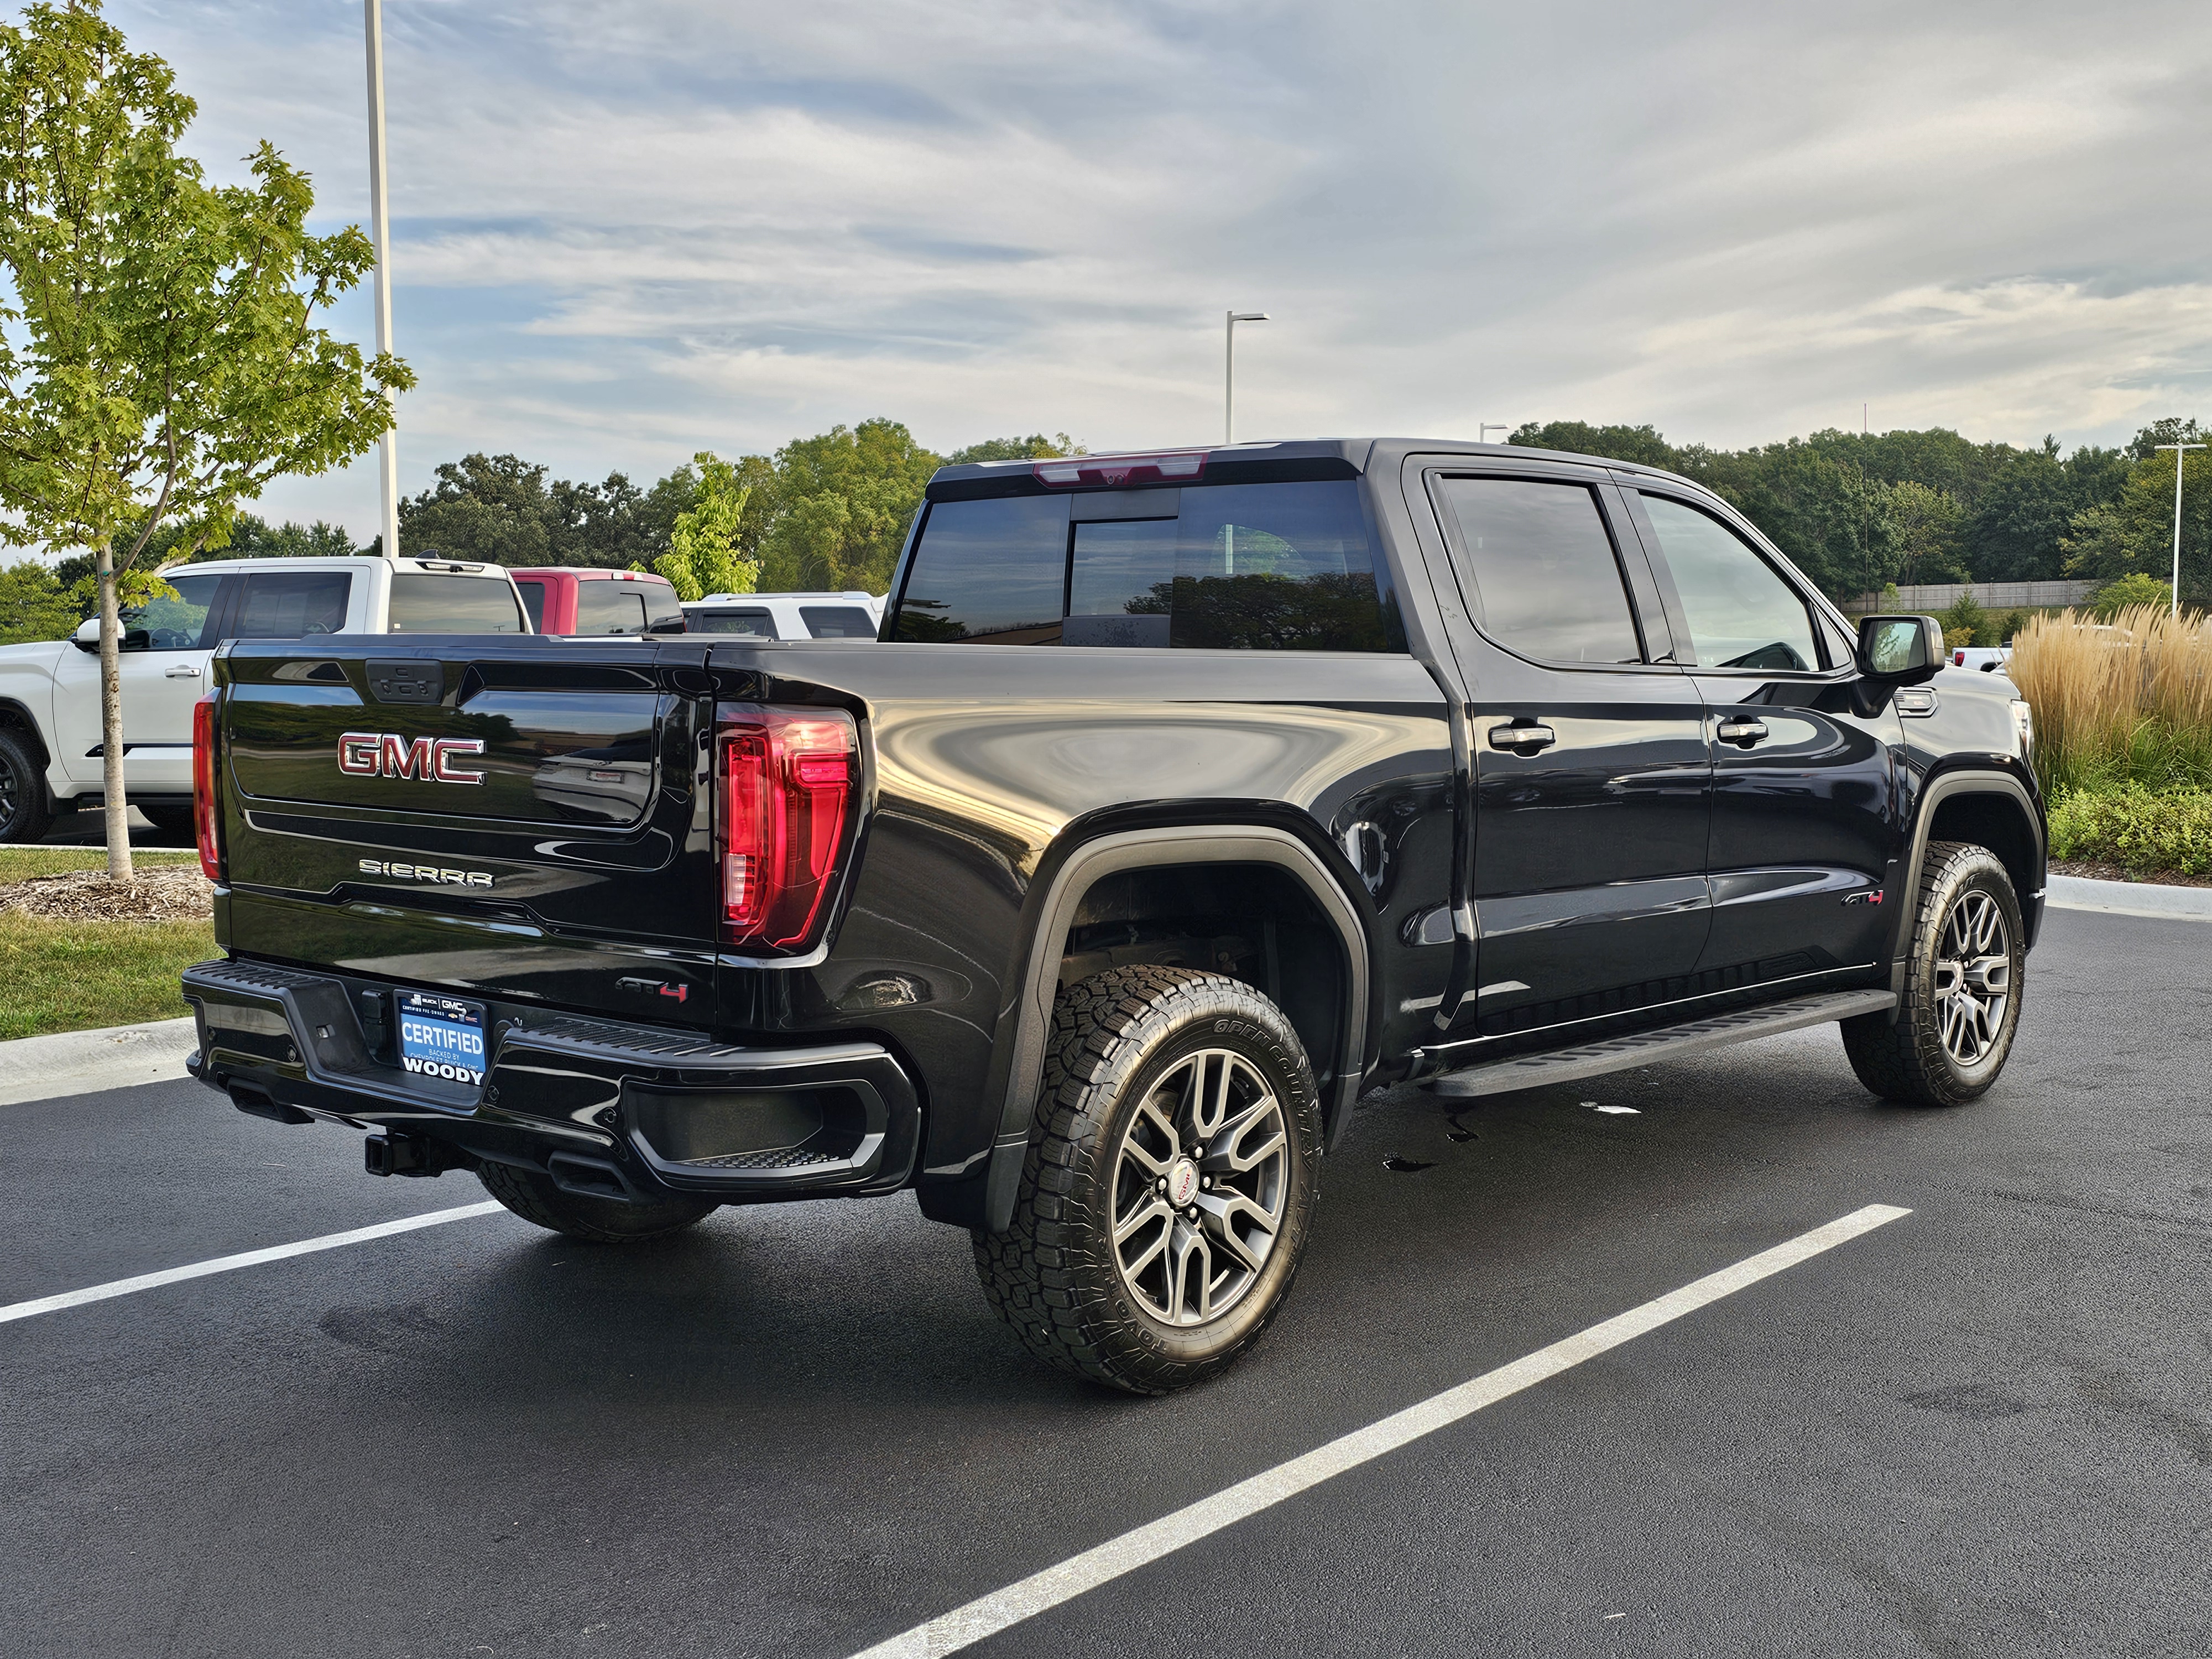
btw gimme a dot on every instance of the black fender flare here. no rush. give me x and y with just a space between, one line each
1135 849
1933 793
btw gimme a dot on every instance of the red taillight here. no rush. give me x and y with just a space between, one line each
1957 660
1162 466
203 780
787 776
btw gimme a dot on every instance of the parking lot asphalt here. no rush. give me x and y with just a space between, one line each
1985 1428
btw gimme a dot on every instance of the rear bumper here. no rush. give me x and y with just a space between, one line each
603 1106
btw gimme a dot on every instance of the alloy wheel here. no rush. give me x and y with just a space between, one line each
1201 1178
1973 978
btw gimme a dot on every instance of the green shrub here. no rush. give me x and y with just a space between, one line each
2135 588
2137 828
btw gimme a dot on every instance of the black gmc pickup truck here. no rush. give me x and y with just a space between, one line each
1186 797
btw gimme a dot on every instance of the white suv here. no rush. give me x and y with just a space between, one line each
50 737
854 616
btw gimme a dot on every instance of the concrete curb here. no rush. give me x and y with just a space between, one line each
2129 898
84 1062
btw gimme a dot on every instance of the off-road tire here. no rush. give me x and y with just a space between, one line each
1051 1275
1905 1060
600 1220
25 816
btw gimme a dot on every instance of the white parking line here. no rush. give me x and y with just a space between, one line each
988 1616
223 1264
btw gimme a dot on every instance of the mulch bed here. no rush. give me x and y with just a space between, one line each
2121 873
163 892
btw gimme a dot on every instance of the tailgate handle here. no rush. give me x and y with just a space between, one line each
395 679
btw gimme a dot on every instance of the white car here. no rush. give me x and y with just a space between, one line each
1987 658
851 616
51 745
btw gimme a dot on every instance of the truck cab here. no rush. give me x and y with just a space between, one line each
576 601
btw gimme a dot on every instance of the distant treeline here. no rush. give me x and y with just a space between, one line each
1855 512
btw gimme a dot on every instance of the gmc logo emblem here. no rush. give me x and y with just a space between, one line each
388 754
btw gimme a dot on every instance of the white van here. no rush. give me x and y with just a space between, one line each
51 745
850 615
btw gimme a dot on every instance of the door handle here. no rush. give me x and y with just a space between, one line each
1742 733
1522 739
181 671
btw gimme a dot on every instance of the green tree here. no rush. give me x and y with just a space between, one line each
1641 444
1035 447
1926 521
2135 588
703 555
159 356
844 501
2014 535
505 510
33 605
2134 535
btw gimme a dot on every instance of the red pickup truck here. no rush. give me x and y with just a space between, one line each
564 600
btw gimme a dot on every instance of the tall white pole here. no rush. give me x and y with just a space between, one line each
2178 448
379 222
1229 372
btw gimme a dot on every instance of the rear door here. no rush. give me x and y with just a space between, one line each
1804 823
1593 779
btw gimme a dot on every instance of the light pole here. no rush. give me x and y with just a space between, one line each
2177 447
1229 374
379 224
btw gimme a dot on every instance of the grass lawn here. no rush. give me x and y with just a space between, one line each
58 976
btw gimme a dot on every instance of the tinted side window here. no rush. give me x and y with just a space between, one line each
1741 614
290 604
991 571
1541 567
533 601
755 625
603 607
837 622
424 604
176 624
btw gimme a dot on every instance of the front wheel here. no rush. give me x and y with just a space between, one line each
24 817
1953 1030
1170 1182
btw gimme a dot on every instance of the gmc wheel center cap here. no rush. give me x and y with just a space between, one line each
1182 1182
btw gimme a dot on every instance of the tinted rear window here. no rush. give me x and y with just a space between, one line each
755 625
426 604
837 622
1265 567
610 607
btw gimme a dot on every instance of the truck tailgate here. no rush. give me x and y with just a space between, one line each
489 813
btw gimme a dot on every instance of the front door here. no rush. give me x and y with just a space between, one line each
1804 827
161 676
1593 779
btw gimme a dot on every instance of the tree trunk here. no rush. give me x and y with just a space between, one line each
111 721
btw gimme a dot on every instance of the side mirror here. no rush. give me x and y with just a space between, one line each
1900 650
86 637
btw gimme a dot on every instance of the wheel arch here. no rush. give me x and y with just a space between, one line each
1168 848
16 716
1989 809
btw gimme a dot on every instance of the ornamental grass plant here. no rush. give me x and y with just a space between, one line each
2118 702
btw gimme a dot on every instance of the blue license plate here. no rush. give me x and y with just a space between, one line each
442 1037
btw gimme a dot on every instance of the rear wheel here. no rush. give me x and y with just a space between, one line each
602 1220
1169 1182
24 815
1954 1029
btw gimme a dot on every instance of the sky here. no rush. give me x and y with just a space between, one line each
624 232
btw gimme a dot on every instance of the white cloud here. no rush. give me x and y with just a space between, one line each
630 232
